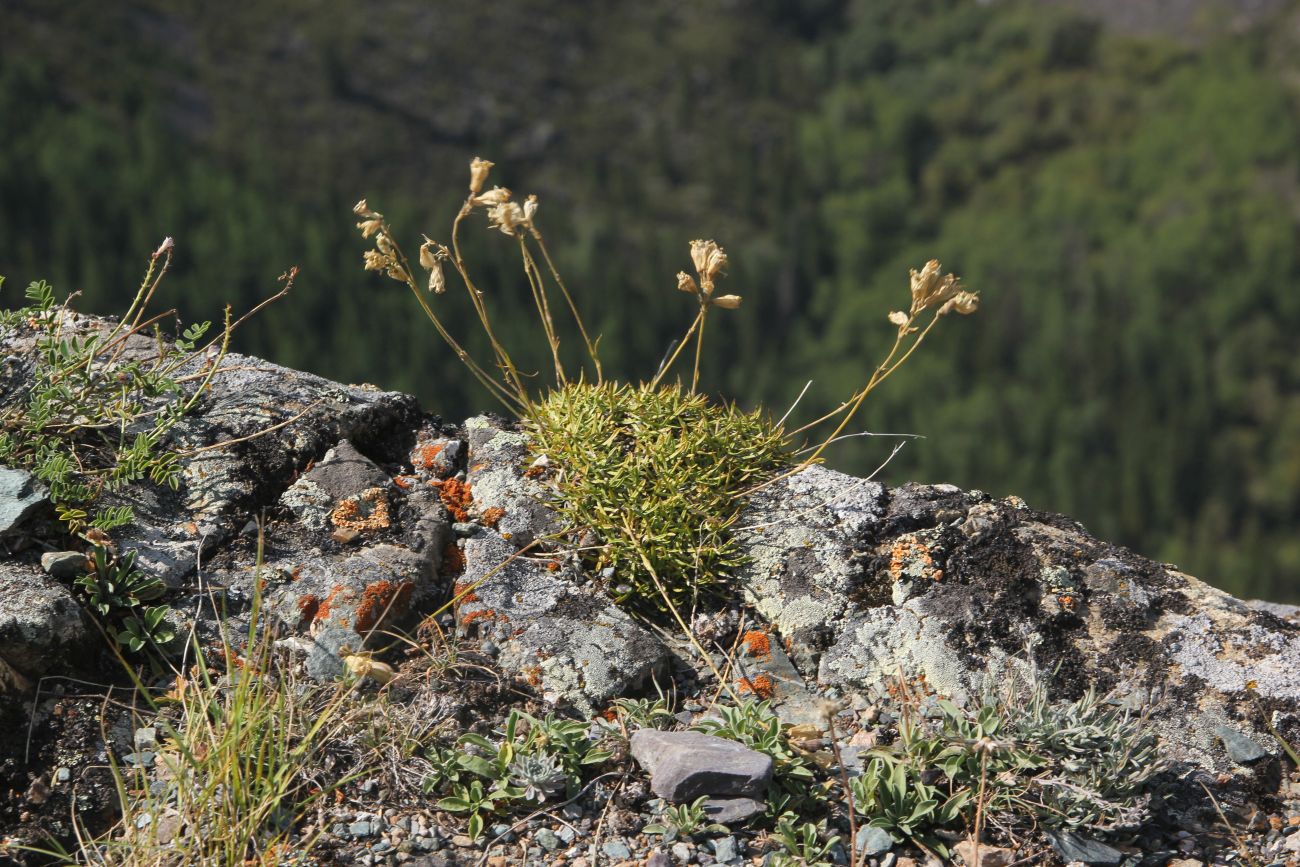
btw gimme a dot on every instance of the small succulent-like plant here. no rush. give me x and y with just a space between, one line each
539 775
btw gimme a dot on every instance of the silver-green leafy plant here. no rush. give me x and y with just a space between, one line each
118 593
802 845
754 724
684 820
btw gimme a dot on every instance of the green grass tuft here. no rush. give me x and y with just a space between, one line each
654 470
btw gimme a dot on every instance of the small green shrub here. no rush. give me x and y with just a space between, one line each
1029 761
802 845
92 416
678 457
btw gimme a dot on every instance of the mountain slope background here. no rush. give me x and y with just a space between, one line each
1125 196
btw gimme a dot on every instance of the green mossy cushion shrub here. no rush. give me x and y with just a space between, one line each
654 471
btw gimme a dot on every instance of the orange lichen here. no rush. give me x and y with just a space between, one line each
534 472
493 516
477 615
553 566
368 511
532 674
453 560
380 598
911 558
426 456
466 588
403 482
457 497
758 644
760 686
323 607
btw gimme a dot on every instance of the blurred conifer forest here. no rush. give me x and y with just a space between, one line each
1126 200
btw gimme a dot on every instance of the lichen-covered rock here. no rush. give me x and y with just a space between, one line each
972 588
245 442
804 538
42 626
347 601
504 497
571 644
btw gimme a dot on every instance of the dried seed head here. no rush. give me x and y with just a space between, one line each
898 317
164 248
386 246
478 172
505 217
709 259
370 227
493 197
428 254
530 208
965 303
376 261
437 279
728 302
431 256
932 288
686 283
361 209
924 283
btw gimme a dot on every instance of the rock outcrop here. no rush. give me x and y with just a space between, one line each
375 515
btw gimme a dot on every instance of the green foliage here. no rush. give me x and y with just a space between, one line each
645 713
534 759
893 796
680 458
93 413
802 845
1078 765
683 820
117 591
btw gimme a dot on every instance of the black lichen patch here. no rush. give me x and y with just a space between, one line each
913 507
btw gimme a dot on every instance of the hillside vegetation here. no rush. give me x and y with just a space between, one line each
1126 204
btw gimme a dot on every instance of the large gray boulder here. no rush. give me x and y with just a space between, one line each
954 590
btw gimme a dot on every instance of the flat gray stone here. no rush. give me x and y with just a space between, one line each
874 841
685 765
1240 748
21 495
729 811
1073 847
63 564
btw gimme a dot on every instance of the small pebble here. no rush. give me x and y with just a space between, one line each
725 849
617 850
547 839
